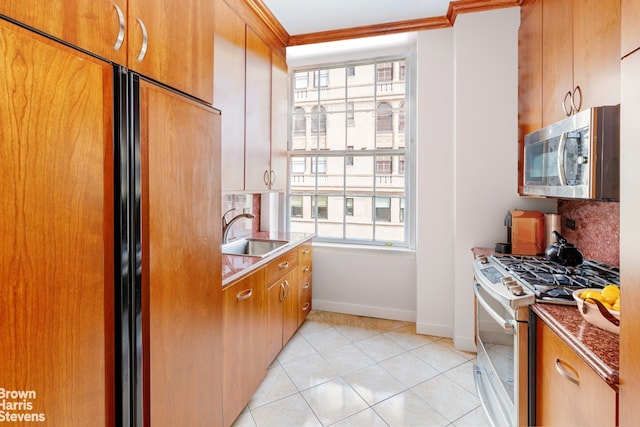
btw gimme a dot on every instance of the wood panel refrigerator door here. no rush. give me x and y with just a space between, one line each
181 259
57 228
172 42
98 26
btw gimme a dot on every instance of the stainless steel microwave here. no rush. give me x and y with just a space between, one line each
575 158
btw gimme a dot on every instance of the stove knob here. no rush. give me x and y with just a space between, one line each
517 290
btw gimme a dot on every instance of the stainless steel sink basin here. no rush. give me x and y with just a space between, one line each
252 247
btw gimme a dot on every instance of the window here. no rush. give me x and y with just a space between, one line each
385 72
403 69
321 78
319 207
349 206
318 120
401 118
354 183
302 80
384 118
299 121
296 206
383 209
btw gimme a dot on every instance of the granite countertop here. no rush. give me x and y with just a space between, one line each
237 266
597 347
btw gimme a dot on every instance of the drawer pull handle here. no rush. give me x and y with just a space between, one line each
120 37
306 306
561 368
283 265
243 295
305 251
306 285
306 269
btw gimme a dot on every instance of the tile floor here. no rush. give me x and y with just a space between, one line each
342 370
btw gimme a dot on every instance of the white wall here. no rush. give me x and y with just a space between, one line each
466 183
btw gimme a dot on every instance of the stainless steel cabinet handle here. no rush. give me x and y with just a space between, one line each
306 285
243 295
306 307
265 177
272 177
305 251
145 41
283 265
564 104
118 44
306 269
560 368
573 97
288 289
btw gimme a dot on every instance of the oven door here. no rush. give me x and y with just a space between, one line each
500 377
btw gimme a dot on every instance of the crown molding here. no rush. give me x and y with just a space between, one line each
455 8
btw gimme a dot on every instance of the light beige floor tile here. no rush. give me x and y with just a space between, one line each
448 342
407 409
366 418
357 331
374 384
439 356
409 369
333 401
348 359
447 397
327 340
309 372
290 411
274 387
245 419
407 338
384 325
463 375
475 418
313 323
297 348
379 347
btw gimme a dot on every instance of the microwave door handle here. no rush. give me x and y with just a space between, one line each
506 324
561 175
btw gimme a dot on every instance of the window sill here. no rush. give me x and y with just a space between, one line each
363 249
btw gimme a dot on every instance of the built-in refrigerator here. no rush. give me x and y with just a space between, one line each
110 272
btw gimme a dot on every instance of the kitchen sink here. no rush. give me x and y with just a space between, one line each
252 247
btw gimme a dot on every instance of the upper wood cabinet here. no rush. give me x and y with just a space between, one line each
630 40
178 39
581 60
168 41
279 123
257 113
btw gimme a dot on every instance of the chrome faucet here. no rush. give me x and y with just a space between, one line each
227 224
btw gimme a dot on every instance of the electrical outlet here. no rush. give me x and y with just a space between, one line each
570 224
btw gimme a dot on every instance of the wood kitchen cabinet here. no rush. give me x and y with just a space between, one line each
581 59
630 22
57 335
568 391
279 123
244 339
168 41
281 303
305 286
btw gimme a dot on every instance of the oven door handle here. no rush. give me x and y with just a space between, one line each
506 324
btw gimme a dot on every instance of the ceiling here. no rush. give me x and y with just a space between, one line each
312 16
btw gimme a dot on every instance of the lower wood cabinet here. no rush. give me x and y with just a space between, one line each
568 391
244 340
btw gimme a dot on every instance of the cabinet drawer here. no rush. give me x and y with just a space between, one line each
568 391
281 266
305 287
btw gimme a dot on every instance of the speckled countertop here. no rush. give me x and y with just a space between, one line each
237 266
598 348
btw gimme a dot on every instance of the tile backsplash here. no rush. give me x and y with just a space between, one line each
597 228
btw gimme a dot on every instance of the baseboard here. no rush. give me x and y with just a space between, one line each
364 310
434 330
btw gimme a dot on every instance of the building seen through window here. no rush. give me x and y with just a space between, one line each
348 152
